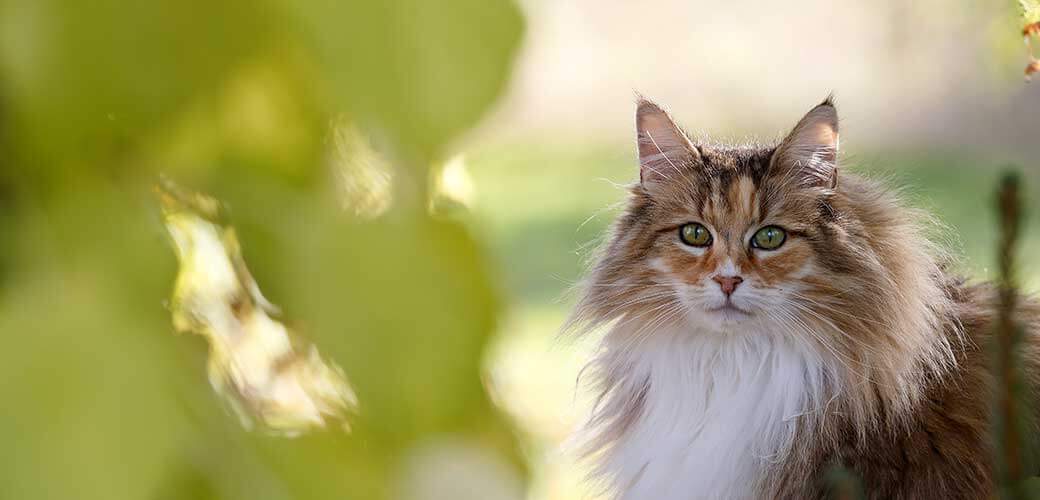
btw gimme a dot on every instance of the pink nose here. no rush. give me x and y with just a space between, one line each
728 283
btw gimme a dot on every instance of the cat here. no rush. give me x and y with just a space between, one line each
769 317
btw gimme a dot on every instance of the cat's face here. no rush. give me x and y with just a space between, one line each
727 237
734 249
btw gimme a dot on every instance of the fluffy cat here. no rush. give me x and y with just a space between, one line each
770 316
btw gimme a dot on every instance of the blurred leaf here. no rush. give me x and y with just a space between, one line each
419 71
451 187
88 80
409 291
101 400
403 304
90 401
264 115
362 176
1030 10
260 367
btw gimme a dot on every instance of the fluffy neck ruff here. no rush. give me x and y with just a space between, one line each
685 412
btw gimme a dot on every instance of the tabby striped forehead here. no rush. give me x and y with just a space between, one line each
729 185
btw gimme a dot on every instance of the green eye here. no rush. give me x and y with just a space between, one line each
769 238
695 235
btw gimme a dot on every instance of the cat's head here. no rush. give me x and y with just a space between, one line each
731 231
734 237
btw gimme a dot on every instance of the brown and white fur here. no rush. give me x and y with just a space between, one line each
850 345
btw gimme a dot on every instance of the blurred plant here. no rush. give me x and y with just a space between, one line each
363 177
452 187
234 98
1013 407
1030 11
265 372
843 484
1031 16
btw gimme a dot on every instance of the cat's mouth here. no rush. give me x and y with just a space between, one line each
730 311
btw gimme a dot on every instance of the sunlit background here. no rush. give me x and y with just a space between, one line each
363 218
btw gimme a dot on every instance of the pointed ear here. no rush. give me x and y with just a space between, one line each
810 151
664 150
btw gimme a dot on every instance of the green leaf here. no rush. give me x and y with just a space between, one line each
87 81
420 72
101 399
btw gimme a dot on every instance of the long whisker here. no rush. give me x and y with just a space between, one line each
806 329
817 303
862 343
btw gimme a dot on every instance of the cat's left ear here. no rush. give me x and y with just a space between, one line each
810 151
665 153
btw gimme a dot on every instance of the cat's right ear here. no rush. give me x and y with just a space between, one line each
811 149
664 150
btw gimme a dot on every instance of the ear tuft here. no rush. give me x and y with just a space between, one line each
810 151
664 150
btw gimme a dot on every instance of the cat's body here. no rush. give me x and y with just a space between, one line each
770 318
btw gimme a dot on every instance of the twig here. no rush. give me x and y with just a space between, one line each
1008 335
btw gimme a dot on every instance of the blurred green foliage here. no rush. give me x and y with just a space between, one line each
1030 10
100 399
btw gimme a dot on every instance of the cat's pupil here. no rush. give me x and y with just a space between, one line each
695 235
769 238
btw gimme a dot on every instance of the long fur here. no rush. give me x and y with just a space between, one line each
860 350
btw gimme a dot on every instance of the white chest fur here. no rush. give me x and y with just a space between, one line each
719 409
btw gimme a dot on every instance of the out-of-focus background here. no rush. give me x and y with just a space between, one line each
417 186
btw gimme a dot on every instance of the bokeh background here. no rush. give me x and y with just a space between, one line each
417 185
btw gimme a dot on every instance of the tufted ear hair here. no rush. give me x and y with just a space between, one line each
664 150
810 151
